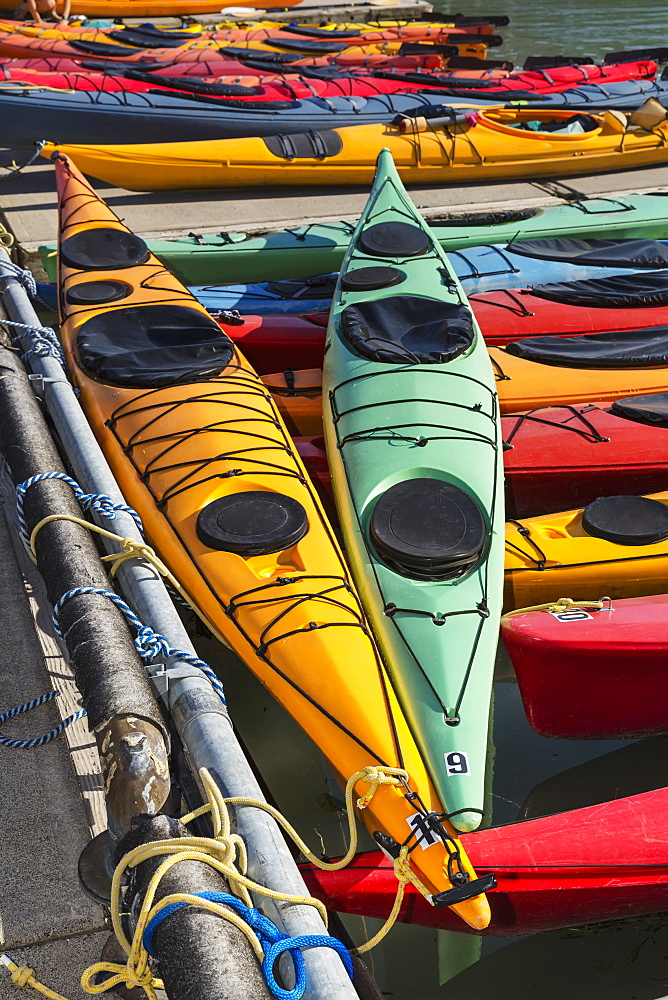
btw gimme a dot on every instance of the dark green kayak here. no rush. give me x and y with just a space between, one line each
318 249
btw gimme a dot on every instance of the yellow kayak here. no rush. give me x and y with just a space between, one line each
201 453
481 146
616 547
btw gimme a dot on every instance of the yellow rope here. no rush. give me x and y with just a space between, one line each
6 238
131 548
563 604
226 852
23 975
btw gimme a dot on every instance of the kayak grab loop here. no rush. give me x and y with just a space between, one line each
563 604
38 741
150 645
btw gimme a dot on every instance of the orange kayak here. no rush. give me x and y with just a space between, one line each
200 451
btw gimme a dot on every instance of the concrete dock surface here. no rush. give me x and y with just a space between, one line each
28 203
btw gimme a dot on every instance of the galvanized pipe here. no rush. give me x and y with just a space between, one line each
200 719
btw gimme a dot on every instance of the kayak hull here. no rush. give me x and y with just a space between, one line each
560 871
492 149
319 249
590 674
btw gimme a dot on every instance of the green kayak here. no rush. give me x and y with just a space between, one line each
318 249
414 445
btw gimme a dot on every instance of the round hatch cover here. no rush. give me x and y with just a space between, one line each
368 279
428 529
252 523
393 239
627 520
103 249
92 293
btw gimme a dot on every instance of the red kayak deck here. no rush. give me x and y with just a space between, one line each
599 863
505 316
588 674
560 457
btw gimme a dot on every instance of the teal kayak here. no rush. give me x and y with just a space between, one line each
317 249
414 445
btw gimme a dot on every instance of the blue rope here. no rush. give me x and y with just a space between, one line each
89 501
39 741
45 342
273 942
149 644
23 277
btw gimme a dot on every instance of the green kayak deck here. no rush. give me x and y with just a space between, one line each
318 249
414 444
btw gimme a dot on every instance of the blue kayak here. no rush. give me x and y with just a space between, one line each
520 264
480 269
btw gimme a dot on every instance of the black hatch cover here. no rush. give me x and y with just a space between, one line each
408 329
254 522
598 253
627 520
651 409
152 346
428 529
621 291
620 349
103 249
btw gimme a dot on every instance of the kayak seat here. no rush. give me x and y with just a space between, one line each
599 253
152 346
253 522
141 41
103 249
102 49
93 293
310 31
428 529
394 239
309 45
627 520
305 145
619 349
651 409
320 286
408 329
622 291
370 279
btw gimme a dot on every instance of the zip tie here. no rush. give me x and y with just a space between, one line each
150 645
38 741
89 501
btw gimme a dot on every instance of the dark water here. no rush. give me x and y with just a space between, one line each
570 27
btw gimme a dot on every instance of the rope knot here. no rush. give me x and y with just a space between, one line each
150 645
402 867
22 975
375 777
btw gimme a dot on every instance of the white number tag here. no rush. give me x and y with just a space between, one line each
424 836
572 615
456 762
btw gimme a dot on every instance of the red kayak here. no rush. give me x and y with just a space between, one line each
557 78
599 863
249 87
17 46
632 301
562 457
588 674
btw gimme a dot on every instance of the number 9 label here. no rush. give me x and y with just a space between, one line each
456 762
